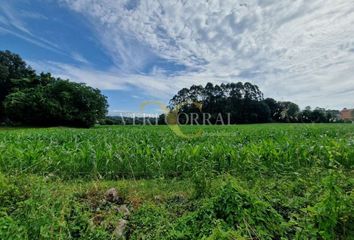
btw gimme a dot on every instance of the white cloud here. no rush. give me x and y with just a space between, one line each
104 80
296 50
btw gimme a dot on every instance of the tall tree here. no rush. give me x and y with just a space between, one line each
273 107
58 103
242 101
12 68
287 112
28 98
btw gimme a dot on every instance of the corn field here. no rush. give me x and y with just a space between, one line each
153 152
271 181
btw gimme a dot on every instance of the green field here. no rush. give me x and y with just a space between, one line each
272 181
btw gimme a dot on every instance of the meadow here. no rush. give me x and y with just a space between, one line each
265 181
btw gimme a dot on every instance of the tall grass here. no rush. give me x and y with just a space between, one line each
234 182
154 151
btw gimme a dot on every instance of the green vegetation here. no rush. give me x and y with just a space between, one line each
244 103
235 182
42 100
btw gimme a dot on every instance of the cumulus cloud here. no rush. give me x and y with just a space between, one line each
294 50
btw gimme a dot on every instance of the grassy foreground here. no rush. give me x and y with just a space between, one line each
234 182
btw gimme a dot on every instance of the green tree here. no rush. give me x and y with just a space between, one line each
306 115
319 115
58 103
244 102
273 107
287 112
28 98
12 68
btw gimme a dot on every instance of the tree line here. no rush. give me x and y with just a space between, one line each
242 103
28 98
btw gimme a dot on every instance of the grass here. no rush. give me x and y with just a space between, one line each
271 181
150 152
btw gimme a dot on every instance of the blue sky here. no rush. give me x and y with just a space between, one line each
138 50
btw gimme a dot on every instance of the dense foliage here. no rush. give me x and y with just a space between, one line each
13 68
31 99
58 103
243 101
234 182
245 104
